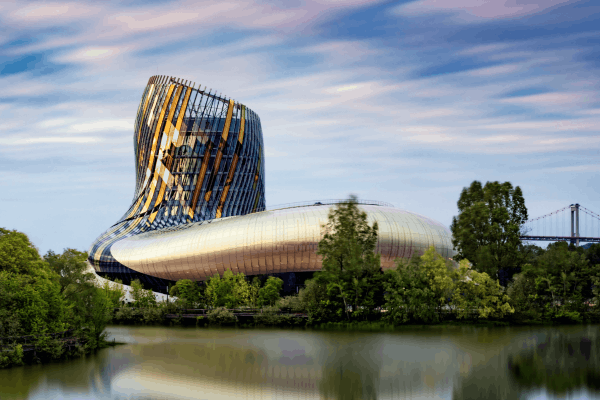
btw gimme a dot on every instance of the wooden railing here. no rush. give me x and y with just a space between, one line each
29 342
238 312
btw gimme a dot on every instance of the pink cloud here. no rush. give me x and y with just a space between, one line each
473 10
104 17
51 12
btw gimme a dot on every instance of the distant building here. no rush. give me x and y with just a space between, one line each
199 202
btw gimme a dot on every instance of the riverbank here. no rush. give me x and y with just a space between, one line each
272 317
52 347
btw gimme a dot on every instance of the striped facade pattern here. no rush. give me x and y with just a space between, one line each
198 157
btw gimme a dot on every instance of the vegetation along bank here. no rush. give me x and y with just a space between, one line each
50 307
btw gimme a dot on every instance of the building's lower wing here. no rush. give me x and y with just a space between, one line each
277 241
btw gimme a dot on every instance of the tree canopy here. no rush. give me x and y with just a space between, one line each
488 226
351 278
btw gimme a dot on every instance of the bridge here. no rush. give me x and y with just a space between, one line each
573 223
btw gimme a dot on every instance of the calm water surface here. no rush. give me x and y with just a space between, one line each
414 363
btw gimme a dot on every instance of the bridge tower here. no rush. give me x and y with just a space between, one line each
575 224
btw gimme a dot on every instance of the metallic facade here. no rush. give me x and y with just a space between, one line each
198 156
270 242
199 202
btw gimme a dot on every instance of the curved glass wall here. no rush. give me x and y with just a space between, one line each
198 156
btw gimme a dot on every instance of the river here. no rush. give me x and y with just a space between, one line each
412 363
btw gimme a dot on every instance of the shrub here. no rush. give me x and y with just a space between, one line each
292 304
10 358
221 316
269 317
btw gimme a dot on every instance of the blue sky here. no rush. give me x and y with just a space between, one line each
405 102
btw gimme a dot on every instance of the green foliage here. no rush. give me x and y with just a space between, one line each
253 291
72 270
114 292
477 292
141 316
487 228
32 299
418 290
273 316
350 281
188 293
560 284
291 304
229 291
269 293
142 298
317 303
17 254
593 254
31 304
98 313
524 298
12 357
221 316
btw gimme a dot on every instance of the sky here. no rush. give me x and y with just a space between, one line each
404 102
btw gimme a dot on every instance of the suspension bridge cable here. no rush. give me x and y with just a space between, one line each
590 211
547 215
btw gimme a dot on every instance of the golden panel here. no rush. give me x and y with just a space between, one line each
283 240
153 151
152 216
201 176
183 108
256 175
150 91
242 126
233 166
219 156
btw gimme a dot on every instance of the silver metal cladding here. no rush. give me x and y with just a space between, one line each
276 241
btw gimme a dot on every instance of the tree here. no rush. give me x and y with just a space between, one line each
228 291
476 291
188 292
315 300
142 298
593 254
488 226
418 290
351 273
269 293
254 289
524 298
97 312
73 273
115 293
18 254
31 304
563 281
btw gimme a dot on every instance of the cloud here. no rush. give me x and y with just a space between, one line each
102 125
92 54
21 141
51 13
549 99
520 143
337 86
477 10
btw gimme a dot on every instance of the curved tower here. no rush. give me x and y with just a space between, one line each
198 156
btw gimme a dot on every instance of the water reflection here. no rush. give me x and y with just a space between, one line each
560 363
433 362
